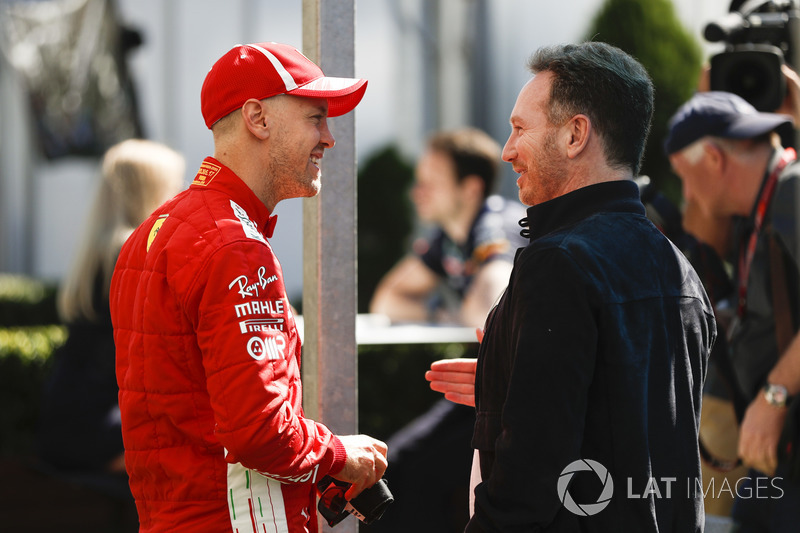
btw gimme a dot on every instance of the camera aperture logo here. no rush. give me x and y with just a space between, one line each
585 509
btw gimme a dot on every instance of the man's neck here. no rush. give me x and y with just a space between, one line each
247 170
585 175
754 169
458 227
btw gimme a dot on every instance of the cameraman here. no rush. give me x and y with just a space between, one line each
732 165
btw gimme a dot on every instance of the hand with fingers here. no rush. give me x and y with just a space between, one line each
791 104
759 435
365 464
455 377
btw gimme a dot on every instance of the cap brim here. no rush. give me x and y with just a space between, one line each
343 94
747 126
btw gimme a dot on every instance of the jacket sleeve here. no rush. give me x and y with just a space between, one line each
251 355
553 338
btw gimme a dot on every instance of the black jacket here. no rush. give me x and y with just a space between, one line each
597 351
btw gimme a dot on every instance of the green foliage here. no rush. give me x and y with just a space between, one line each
385 218
29 334
392 389
650 31
25 357
26 302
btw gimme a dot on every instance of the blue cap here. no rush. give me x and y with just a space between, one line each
719 114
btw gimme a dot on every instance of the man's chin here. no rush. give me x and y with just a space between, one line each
313 189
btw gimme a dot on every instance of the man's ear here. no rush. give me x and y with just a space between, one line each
714 158
577 132
255 118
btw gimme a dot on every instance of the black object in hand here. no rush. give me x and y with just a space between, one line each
368 506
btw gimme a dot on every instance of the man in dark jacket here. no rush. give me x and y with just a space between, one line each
590 374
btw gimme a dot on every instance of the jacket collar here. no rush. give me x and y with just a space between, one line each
213 175
611 196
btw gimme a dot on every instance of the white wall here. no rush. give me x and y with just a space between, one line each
182 39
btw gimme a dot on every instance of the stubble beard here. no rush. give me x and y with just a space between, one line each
547 171
291 182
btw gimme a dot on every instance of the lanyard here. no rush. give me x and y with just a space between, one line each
746 254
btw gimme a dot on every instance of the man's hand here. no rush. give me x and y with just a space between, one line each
704 79
365 464
759 435
455 378
791 104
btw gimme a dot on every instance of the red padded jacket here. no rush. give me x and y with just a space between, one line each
208 365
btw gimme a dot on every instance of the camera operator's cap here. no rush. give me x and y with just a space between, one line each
263 70
719 114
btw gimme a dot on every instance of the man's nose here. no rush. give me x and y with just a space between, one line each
509 150
326 138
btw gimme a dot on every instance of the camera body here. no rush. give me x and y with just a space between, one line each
368 506
759 38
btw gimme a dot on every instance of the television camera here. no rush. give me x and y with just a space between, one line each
759 37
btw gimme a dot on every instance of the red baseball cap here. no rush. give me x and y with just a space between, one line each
267 69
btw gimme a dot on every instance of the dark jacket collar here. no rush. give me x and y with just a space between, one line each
611 196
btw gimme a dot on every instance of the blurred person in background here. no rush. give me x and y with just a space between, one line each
80 422
453 276
733 167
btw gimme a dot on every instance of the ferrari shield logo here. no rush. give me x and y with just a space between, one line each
155 229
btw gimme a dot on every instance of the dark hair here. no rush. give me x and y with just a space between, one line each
605 84
473 152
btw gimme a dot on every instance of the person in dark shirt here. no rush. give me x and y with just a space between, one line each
453 275
590 373
456 273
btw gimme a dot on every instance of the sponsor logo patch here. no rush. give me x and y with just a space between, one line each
261 324
260 307
155 229
247 288
310 476
271 348
249 227
207 172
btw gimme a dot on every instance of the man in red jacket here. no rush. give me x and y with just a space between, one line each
208 353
